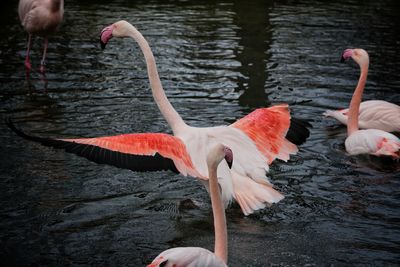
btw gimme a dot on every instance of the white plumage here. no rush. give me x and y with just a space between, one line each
373 114
187 257
374 142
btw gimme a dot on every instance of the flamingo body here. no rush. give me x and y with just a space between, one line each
43 18
187 257
373 141
256 139
373 114
246 181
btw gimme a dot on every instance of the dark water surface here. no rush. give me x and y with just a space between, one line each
217 61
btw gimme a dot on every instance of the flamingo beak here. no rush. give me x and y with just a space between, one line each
105 35
230 164
346 55
103 45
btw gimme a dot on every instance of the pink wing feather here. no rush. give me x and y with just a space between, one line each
267 127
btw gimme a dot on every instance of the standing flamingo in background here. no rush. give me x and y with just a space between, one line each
257 139
370 141
373 114
43 18
194 256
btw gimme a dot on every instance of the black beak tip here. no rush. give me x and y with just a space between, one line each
230 164
102 44
342 59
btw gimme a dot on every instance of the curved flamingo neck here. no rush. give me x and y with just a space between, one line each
354 109
167 110
221 234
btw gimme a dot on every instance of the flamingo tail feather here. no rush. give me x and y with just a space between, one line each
252 196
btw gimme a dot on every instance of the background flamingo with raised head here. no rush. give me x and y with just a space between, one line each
370 141
43 18
373 114
195 256
257 139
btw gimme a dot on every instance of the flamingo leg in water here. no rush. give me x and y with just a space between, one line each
28 66
43 78
28 49
43 64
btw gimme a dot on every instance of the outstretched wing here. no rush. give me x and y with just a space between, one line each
267 127
137 152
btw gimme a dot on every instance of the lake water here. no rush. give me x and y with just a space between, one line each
218 61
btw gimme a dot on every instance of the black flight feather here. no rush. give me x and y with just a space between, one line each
298 131
139 163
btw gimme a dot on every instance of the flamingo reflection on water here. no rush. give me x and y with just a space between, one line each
369 141
195 256
43 18
256 140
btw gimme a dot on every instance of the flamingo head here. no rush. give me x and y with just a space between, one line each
105 35
218 153
118 29
358 55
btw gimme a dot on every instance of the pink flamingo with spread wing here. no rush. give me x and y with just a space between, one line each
257 139
195 256
43 18
370 141
373 114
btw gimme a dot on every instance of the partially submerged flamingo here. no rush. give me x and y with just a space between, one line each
370 141
195 256
43 18
257 139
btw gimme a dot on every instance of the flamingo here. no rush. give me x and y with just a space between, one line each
41 17
373 114
369 141
195 256
257 139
